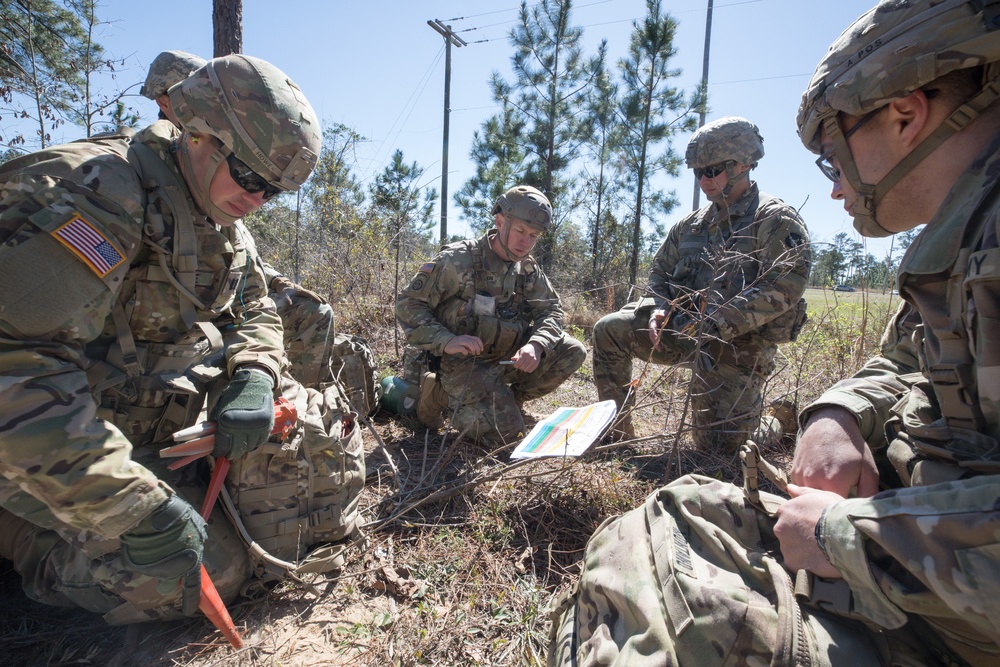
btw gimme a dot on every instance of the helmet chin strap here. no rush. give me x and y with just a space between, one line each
869 195
201 192
512 256
732 180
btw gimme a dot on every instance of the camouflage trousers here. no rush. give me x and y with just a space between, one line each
726 397
291 497
61 566
308 328
484 397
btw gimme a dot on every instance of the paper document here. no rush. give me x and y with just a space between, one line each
567 431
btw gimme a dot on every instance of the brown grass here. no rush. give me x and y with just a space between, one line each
466 549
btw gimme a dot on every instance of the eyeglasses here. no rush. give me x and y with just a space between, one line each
711 171
823 161
250 180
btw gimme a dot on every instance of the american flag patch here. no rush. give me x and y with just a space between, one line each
426 268
90 245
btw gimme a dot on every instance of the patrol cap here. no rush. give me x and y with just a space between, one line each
526 203
257 112
727 139
891 51
167 69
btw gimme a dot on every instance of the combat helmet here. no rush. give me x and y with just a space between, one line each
729 141
167 69
888 53
257 113
526 203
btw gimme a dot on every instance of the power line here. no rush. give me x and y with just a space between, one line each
377 161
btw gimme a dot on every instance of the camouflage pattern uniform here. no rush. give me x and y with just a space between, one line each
746 267
306 317
307 325
920 560
522 307
102 358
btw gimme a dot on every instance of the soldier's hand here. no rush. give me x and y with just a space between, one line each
464 345
244 414
656 321
796 531
832 455
285 289
169 544
527 358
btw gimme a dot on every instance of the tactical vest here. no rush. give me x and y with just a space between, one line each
159 350
938 431
490 309
721 274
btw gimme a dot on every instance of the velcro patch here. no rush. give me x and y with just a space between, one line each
89 244
426 268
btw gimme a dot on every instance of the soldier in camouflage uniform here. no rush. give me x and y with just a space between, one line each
130 292
724 289
485 301
306 317
167 69
893 518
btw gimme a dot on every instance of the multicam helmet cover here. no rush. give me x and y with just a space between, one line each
257 113
526 203
167 69
727 139
890 52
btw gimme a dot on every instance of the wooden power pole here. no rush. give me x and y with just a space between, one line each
449 39
704 90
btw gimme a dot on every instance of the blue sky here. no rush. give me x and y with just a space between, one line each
377 67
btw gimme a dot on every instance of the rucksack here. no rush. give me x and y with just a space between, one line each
352 364
693 578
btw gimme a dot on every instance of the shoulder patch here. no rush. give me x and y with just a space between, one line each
426 267
88 243
793 240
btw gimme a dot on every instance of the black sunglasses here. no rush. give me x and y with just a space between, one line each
710 171
250 180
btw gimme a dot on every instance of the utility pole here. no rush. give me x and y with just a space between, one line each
449 39
704 91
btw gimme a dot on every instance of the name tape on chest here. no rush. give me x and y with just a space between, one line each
88 243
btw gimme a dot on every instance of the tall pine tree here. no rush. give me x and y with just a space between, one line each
651 111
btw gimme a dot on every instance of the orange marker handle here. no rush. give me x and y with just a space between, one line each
214 486
211 605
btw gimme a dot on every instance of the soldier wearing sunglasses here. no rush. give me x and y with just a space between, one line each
725 288
133 301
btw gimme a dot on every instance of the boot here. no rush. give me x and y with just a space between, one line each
433 400
786 414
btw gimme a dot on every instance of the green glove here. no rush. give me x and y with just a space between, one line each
168 544
244 414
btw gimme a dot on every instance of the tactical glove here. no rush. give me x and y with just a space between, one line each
244 414
168 544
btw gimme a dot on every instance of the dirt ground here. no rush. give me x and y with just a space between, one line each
462 575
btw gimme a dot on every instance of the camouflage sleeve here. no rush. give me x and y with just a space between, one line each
255 336
783 254
546 313
661 272
65 250
871 392
930 550
435 283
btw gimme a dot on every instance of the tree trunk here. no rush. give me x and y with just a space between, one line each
227 19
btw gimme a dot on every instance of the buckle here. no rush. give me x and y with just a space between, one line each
831 595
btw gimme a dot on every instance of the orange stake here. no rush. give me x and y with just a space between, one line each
187 451
212 606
